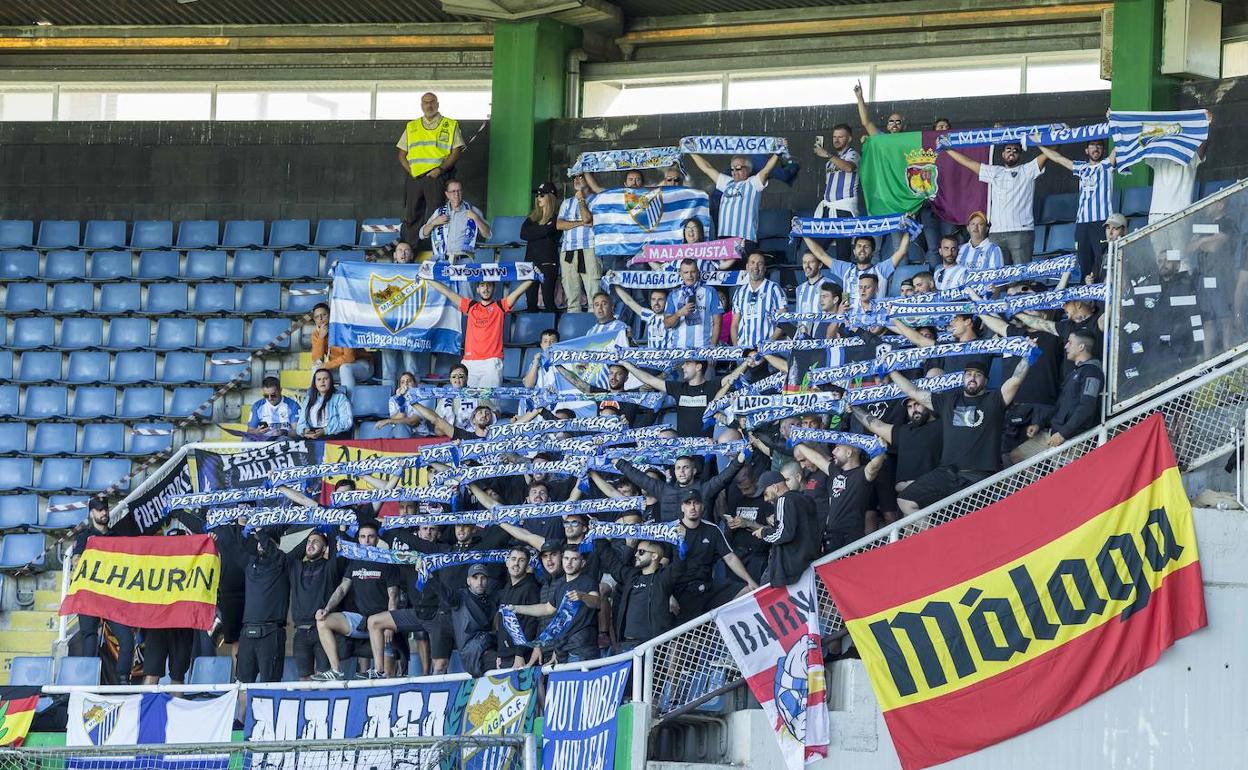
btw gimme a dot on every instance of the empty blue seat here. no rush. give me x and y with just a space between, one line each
132 366
199 234
214 298
167 298
575 325
158 265
222 334
511 254
221 373
129 334
16 233
152 234
261 298
31 671
1136 201
456 664
105 234
150 437
506 230
102 438
33 332
63 512
65 266
1211 187
81 333
334 233
44 401
176 333
378 232
54 438
6 364
186 401
1061 238
369 429
13 438
19 265
252 263
16 472
370 401
290 669
265 330
299 265
59 473
94 402
79 671
211 669
302 297
1059 207
243 234
142 403
774 223
204 265
40 366
70 298
88 366
106 472
9 396
182 367
59 234
511 363
289 232
26 298
332 258
528 327
118 298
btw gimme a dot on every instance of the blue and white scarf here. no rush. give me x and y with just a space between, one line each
975 279
625 160
221 497
646 400
488 273
670 279
1175 136
849 227
768 383
638 435
430 393
981 137
557 627
387 465
484 449
912 358
468 475
299 516
515 514
603 424
813 401
735 145
825 375
437 236
1061 134
671 532
889 392
651 358
1007 306
664 456
869 444
425 563
431 494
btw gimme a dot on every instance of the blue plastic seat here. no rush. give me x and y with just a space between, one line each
94 402
26 298
54 438
39 366
1059 208
182 367
16 473
102 438
33 332
158 265
211 669
252 263
370 401
511 363
774 223
222 334
79 671
81 334
334 233
332 258
134 366
904 272
1213 186
65 266
167 298
19 265
1061 238
260 298
63 512
290 669
573 325
106 472
371 238
6 364
45 401
30 671
87 367
176 333
59 473
105 234
16 233
302 297
1136 201
204 265
186 401
265 330
117 298
199 234
59 234
456 664
368 429
129 334
70 298
152 234
4 329
506 230
511 254
221 373
9 397
214 298
243 234
142 403
299 265
528 327
285 233
13 438
150 437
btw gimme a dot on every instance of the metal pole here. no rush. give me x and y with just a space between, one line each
638 682
530 752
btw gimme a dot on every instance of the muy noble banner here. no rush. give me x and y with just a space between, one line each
1020 612
579 729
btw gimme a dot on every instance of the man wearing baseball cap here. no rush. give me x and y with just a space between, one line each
795 531
705 546
87 641
472 619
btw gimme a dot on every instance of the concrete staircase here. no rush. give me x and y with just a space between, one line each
28 626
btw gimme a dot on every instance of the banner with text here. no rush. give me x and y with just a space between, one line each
578 731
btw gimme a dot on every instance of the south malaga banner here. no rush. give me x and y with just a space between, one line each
408 709
392 307
773 635
143 720
1002 605
579 727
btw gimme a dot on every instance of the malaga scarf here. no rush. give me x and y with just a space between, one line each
869 444
556 628
438 236
849 227
724 248
735 145
625 160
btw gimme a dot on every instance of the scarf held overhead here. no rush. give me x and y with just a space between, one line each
625 160
724 248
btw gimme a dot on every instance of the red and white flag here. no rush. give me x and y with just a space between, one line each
773 635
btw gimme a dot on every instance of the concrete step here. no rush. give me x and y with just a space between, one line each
27 642
47 600
28 620
298 379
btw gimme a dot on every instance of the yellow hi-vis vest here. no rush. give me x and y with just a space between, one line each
427 148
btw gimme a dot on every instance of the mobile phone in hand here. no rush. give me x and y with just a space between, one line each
819 141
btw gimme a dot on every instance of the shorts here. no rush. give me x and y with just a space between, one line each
167 645
484 372
441 635
230 606
309 655
358 624
939 483
883 490
407 621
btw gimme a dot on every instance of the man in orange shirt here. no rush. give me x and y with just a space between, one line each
483 333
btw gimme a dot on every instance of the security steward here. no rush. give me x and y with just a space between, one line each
428 150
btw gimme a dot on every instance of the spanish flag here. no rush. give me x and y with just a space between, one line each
147 582
17 711
1022 611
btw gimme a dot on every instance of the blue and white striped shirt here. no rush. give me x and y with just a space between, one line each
808 295
657 335
614 325
738 208
581 237
1096 190
841 185
755 308
694 330
985 256
848 273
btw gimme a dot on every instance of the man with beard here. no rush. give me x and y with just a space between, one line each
916 443
1096 200
520 588
643 607
850 486
372 589
472 618
1079 404
693 393
578 641
794 534
693 313
312 581
971 423
482 418
658 336
840 189
617 378
1011 197
705 545
685 471
863 250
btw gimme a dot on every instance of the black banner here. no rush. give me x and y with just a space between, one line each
145 514
251 467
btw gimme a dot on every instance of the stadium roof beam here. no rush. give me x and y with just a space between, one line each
596 16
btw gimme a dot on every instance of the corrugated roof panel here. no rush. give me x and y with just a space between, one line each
19 13
634 8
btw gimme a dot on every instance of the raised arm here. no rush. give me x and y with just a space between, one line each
297 497
517 293
649 379
768 167
704 165
628 300
592 183
970 165
486 501
1056 157
872 468
877 426
818 252
903 244
605 487
523 535
902 381
1037 323
813 456
863 115
725 384
1009 388
909 333
435 419
447 292
576 381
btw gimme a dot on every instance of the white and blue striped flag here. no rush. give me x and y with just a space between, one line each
391 306
1176 136
625 219
144 720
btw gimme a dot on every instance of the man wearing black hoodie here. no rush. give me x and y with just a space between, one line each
795 533
685 471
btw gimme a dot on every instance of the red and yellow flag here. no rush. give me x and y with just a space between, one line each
17 711
995 623
147 582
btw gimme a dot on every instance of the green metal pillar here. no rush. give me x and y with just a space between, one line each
1137 80
529 73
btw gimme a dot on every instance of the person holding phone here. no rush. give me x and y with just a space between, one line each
840 188
694 312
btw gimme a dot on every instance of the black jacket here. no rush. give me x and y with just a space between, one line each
669 494
1079 402
656 594
794 539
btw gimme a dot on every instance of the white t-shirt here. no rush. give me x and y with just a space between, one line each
1011 195
1174 186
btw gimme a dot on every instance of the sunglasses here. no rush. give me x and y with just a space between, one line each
736 168
894 121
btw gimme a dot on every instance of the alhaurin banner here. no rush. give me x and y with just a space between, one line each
1022 611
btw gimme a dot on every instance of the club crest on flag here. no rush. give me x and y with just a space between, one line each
645 208
99 720
921 172
1156 130
795 680
397 300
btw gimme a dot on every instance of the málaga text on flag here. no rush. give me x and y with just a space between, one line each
390 306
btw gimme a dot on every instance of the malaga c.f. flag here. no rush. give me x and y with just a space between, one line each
1020 612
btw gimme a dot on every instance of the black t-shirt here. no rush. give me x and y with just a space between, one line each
691 402
918 448
1042 382
751 509
267 586
541 242
704 546
582 634
311 584
627 409
637 625
1090 325
465 435
971 429
848 495
815 485
527 591
233 558
369 584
